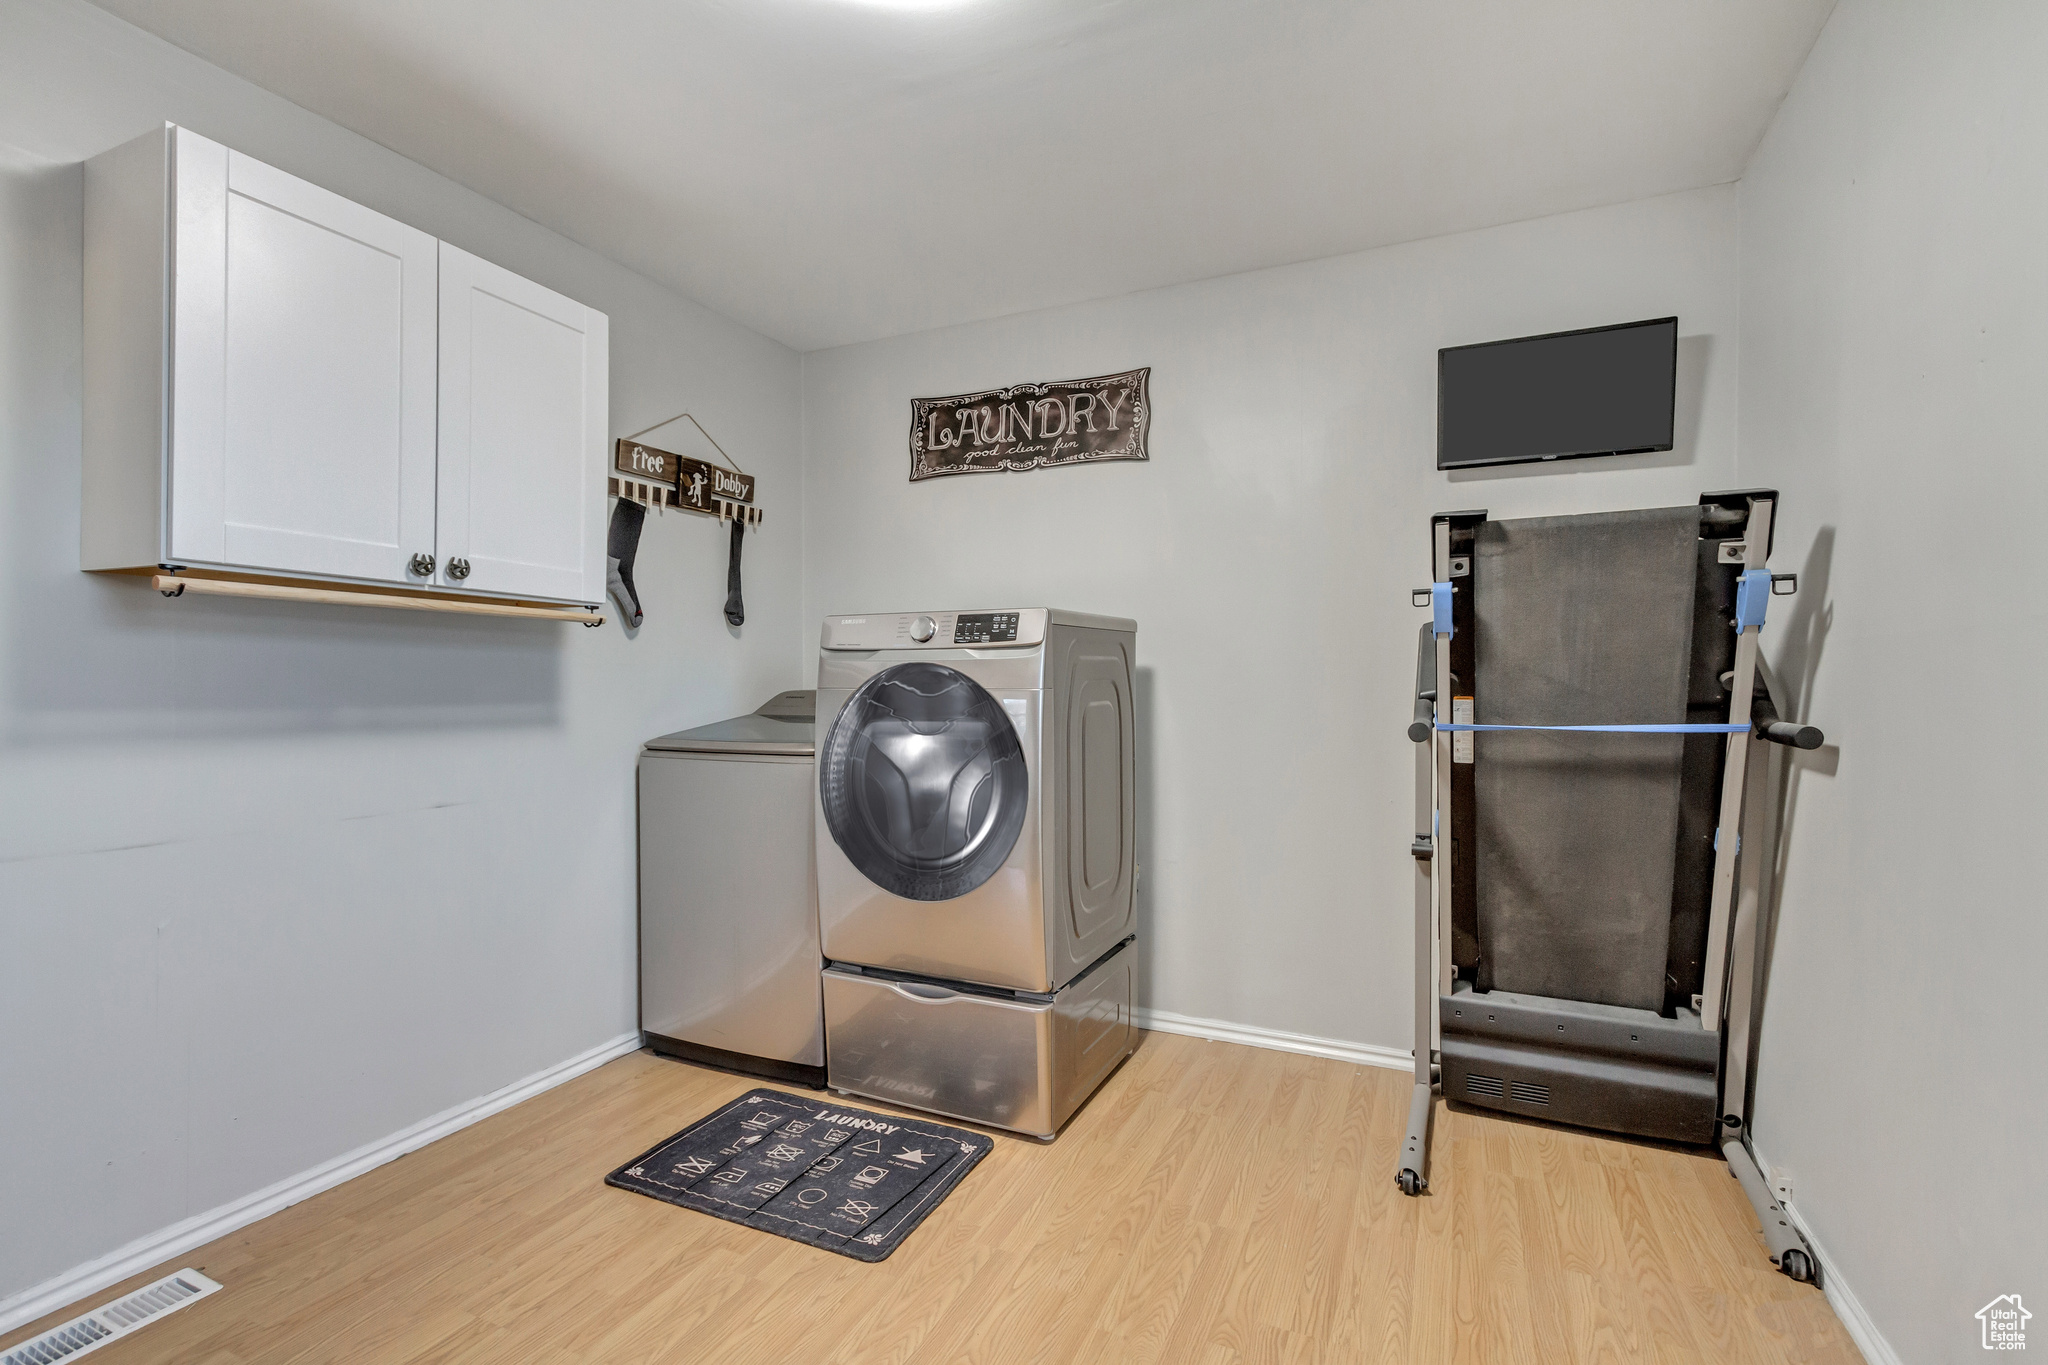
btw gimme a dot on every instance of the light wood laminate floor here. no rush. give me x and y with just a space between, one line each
1213 1204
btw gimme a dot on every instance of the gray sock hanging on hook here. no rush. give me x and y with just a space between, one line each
621 548
735 609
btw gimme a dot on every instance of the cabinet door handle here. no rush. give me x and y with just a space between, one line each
423 564
458 569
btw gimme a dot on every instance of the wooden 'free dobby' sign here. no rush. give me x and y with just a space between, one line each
1031 426
699 485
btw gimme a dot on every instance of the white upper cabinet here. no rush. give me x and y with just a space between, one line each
302 375
282 382
522 490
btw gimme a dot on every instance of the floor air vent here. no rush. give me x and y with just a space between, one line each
1486 1087
108 1322
1529 1093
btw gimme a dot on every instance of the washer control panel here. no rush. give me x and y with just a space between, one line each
938 630
985 628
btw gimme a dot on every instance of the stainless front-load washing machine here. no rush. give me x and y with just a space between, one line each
976 803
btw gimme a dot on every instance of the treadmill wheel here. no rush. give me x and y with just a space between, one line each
1411 1183
1794 1264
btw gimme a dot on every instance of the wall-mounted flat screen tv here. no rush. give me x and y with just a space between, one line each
1601 391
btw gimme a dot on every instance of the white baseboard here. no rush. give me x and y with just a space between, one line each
1855 1319
179 1238
1222 1031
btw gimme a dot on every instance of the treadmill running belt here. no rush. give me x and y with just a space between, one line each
1581 620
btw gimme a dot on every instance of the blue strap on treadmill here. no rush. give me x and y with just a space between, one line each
1440 607
1617 729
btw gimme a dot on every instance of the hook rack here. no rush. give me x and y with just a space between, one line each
663 479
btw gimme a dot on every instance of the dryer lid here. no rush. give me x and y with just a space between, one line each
783 725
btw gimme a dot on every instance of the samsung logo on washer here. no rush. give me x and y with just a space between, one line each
853 1121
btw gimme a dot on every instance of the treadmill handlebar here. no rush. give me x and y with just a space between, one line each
1419 728
1793 736
1425 687
1765 724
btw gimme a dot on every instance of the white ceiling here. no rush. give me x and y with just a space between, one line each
830 171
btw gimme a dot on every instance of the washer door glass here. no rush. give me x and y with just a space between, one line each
922 782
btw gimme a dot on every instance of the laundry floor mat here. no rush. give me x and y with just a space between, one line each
847 1180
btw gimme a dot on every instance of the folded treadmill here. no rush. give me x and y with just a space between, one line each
1592 708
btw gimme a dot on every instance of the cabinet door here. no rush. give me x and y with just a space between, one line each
303 375
523 418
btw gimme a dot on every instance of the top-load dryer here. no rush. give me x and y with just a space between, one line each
976 809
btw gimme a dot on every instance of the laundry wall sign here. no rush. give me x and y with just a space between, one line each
1031 426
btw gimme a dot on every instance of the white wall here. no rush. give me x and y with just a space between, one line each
1265 552
277 881
1894 362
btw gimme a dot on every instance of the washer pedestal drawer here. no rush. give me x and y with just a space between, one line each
1019 1064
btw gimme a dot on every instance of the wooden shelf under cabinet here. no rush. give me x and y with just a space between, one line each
211 582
